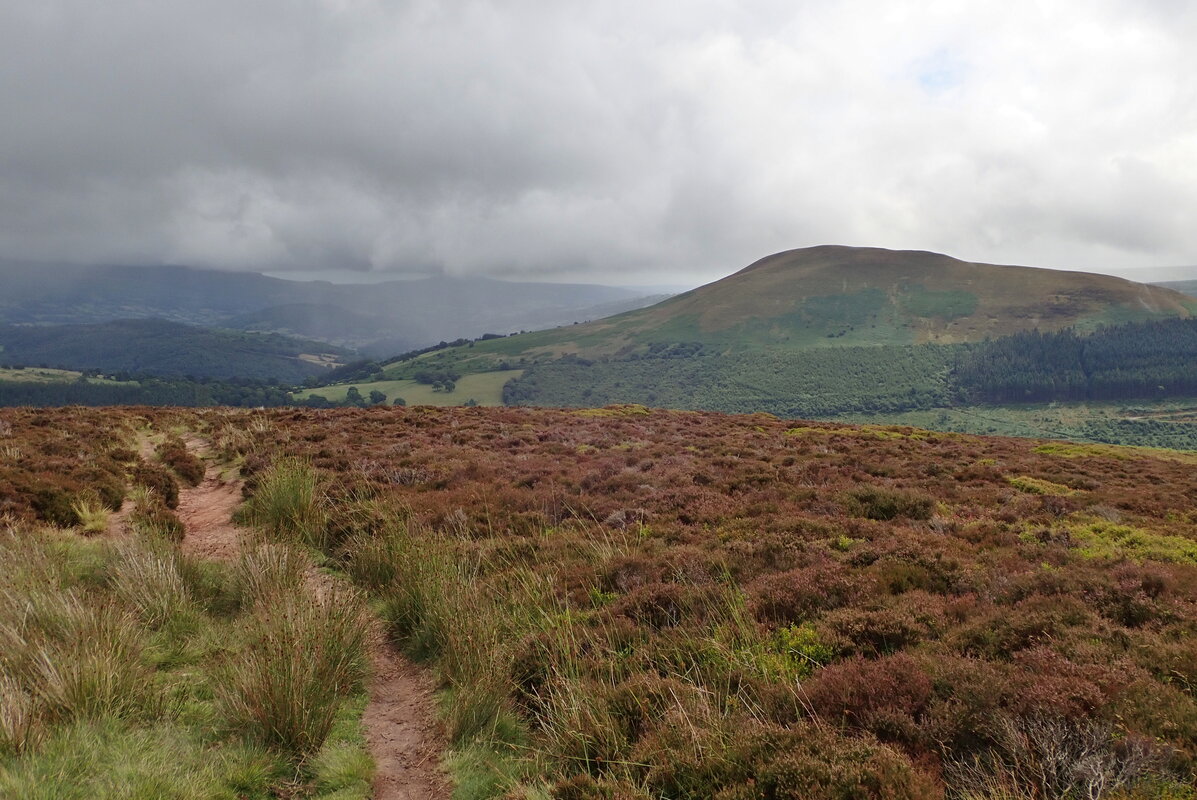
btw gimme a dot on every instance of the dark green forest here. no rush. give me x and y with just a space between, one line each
1121 362
159 347
1135 361
147 391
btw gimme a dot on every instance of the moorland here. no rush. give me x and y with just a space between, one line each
614 602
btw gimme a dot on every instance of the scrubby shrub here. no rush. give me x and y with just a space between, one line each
188 466
801 763
56 506
876 631
1045 756
885 697
786 598
873 502
157 520
160 480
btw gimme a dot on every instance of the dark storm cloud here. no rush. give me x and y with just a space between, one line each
593 140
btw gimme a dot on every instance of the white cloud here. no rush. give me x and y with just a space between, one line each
595 140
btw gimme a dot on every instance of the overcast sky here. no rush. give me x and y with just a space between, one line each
610 141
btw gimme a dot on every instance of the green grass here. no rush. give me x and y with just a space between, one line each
128 670
46 375
1030 485
1102 539
1167 424
113 760
485 388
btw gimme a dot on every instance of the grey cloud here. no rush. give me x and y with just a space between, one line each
592 140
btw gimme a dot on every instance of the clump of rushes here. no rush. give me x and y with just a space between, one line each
65 658
286 504
306 654
93 517
150 582
188 466
268 571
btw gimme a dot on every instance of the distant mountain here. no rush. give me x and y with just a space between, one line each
1184 287
829 330
833 296
404 313
170 349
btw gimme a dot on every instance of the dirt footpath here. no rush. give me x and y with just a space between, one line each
401 728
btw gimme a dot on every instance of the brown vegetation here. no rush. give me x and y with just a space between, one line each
645 603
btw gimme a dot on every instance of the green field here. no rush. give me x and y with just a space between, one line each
46 375
1168 423
485 388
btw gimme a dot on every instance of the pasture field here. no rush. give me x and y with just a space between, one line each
485 388
47 375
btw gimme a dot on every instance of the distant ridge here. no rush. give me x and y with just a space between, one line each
831 296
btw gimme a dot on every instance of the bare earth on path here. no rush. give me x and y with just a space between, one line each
401 730
402 734
207 515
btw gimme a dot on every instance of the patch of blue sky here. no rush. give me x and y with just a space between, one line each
940 71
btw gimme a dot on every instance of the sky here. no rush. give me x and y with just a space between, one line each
613 142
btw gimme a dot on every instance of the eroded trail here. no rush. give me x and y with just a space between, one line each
402 733
401 729
207 515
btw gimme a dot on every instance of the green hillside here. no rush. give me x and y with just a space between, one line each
834 296
1184 287
158 347
830 331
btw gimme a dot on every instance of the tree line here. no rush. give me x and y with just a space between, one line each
1119 362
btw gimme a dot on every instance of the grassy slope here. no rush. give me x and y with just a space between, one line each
842 296
46 375
485 388
1166 423
774 335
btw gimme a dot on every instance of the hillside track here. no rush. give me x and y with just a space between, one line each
402 733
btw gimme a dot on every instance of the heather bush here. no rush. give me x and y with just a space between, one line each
188 466
875 502
886 697
786 598
160 480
